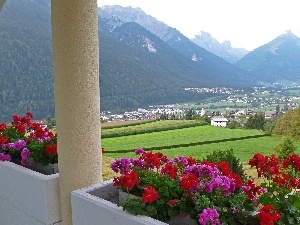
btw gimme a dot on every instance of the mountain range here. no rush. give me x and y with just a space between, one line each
276 61
142 61
219 69
164 32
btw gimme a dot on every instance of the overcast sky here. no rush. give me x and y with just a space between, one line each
245 23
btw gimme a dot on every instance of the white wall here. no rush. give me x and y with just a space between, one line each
88 209
28 197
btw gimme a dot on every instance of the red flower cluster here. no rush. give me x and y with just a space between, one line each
170 169
2 127
254 190
127 180
153 160
286 181
37 131
51 150
191 161
102 150
188 181
150 194
292 160
268 215
269 167
3 140
22 123
173 202
265 165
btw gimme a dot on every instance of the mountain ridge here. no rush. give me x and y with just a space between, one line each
208 61
275 61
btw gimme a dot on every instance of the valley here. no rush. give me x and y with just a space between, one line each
229 102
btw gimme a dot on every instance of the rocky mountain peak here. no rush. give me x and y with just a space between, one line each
223 50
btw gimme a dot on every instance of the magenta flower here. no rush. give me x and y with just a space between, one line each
139 151
4 157
121 165
209 217
181 159
24 156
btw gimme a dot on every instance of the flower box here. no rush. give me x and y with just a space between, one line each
28 197
175 220
99 204
51 168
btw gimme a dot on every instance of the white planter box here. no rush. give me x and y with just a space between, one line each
28 197
97 205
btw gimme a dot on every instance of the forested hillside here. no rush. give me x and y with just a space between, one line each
26 59
130 77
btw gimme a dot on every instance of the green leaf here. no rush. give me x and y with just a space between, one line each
151 210
173 211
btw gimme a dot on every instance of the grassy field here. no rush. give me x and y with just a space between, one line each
178 136
244 149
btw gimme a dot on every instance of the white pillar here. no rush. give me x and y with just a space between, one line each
77 96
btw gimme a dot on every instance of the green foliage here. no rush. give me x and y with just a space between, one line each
205 119
287 204
270 125
233 125
190 115
289 124
284 149
256 121
38 153
228 156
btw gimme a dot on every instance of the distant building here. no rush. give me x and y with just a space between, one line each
202 111
270 114
219 121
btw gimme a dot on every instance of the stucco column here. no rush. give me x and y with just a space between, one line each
77 98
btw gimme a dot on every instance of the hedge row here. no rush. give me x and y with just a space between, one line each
191 144
142 130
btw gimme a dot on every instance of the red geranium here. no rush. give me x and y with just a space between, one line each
2 127
188 181
292 160
3 140
153 160
254 190
265 165
127 180
172 202
170 169
268 215
150 194
51 150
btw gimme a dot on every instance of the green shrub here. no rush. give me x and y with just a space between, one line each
284 149
228 156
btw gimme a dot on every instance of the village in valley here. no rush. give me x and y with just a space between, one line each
228 105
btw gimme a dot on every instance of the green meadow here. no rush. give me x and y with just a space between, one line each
243 149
